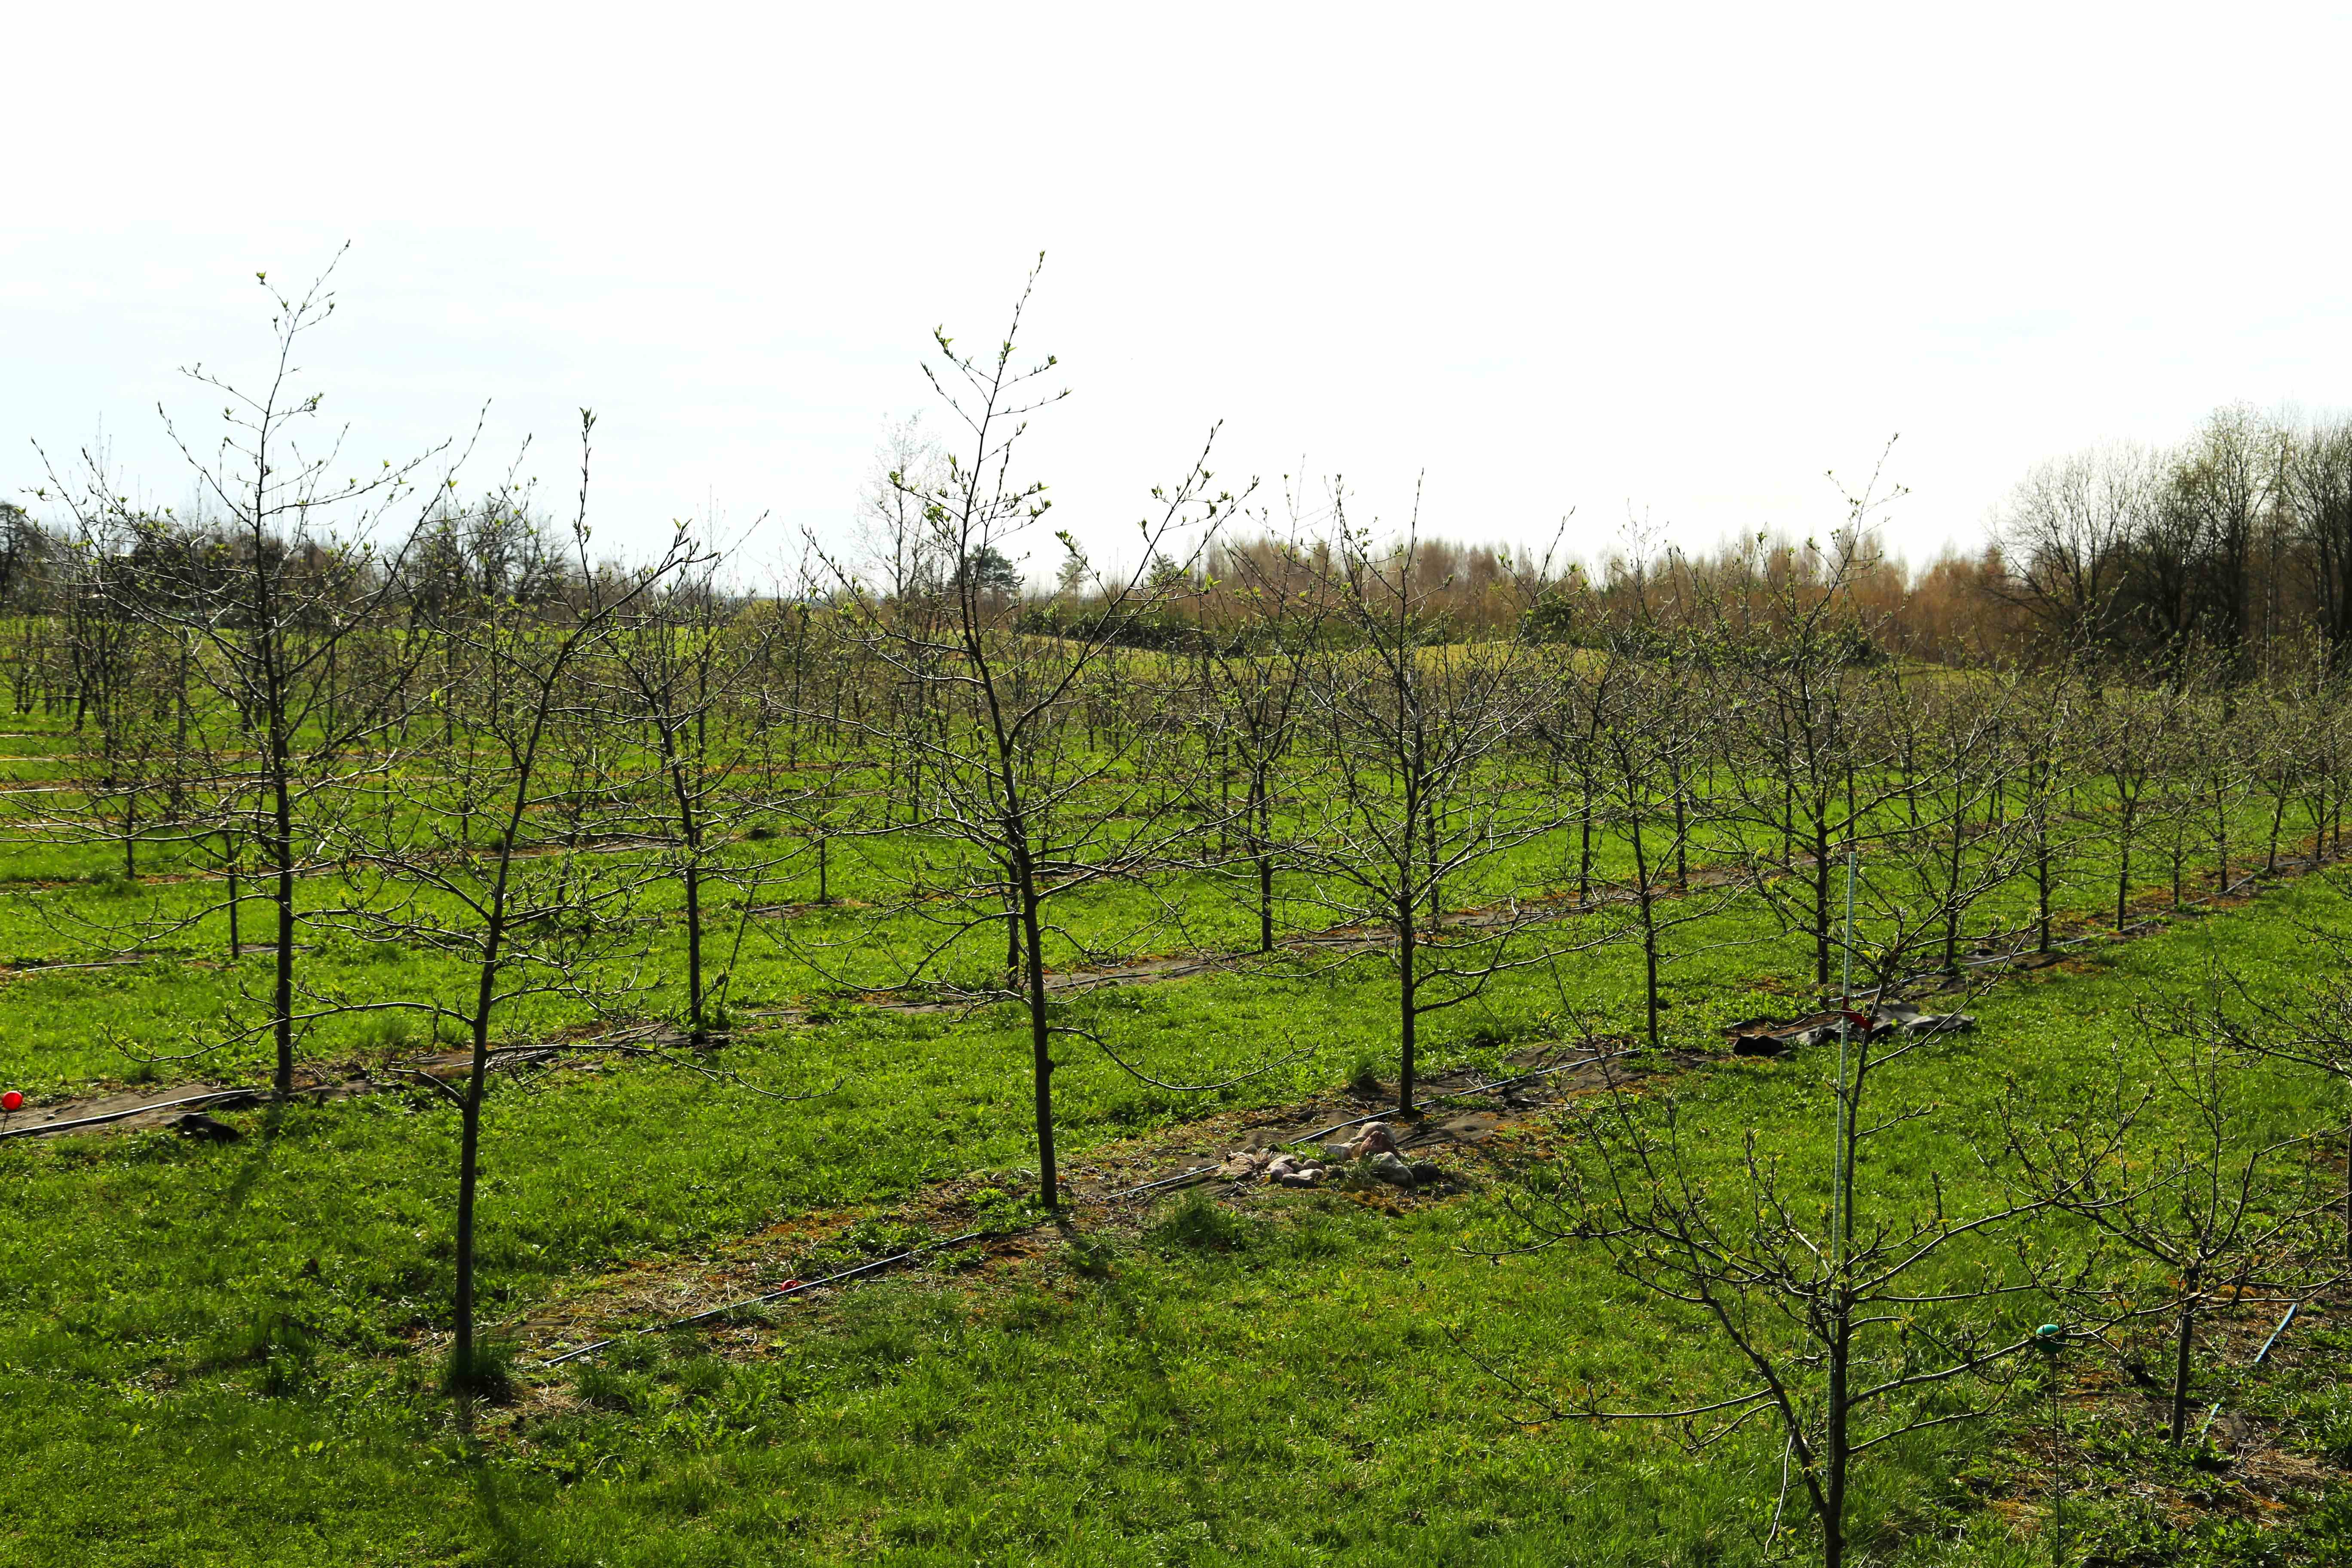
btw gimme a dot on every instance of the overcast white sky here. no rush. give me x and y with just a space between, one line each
1680 260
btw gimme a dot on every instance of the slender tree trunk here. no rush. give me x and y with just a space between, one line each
281 850
1407 1008
235 944
1952 906
697 1033
1265 903
1648 904
469 1148
1262 812
2220 843
2042 888
462 1367
1584 851
2183 1344
689 835
1040 1041
2123 865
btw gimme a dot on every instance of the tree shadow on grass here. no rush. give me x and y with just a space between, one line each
1168 1395
505 1539
509 1519
260 1150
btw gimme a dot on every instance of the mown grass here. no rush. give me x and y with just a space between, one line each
228 1353
223 1354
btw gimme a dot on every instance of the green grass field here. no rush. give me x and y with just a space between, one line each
229 1353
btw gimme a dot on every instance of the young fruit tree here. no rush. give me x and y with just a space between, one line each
682 668
1813 757
487 850
1026 803
1415 730
2311 1029
2046 763
1650 737
1250 673
2129 728
1858 1303
141 771
2206 1202
282 594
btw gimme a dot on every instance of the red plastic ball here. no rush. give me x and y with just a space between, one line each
11 1101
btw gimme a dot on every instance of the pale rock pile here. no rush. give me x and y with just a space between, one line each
1375 1145
1279 1166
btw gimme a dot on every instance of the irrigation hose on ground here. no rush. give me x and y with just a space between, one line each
206 1099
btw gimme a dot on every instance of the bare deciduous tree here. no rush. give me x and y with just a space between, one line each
1415 730
2216 1205
1253 683
2067 533
2130 731
681 663
279 594
1857 1313
1022 803
476 853
1651 741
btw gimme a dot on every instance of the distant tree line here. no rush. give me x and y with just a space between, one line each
2236 543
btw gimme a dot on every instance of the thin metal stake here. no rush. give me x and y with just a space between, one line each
2057 1477
2050 1338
